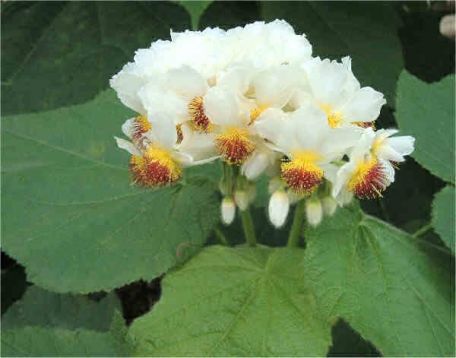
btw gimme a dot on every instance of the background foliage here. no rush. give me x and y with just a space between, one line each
74 231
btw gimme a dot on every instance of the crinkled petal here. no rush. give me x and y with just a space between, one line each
222 108
364 106
128 146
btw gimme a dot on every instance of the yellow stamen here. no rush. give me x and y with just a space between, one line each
256 112
235 145
200 122
368 179
156 168
334 117
301 173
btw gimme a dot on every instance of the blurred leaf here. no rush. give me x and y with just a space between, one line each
60 53
366 31
46 309
195 9
58 342
235 302
395 291
426 111
348 343
427 54
73 219
227 14
13 286
443 215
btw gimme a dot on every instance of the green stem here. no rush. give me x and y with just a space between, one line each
249 229
422 230
296 227
220 236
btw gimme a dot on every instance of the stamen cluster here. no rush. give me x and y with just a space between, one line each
255 98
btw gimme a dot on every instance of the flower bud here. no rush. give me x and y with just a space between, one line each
278 208
314 211
228 210
274 185
241 198
329 205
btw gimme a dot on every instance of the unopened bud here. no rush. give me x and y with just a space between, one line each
241 198
279 206
314 211
329 205
228 210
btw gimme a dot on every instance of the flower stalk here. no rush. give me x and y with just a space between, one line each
249 228
296 227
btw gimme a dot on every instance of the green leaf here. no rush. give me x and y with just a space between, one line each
57 342
397 292
43 308
195 9
60 53
426 111
235 302
365 31
74 220
228 14
443 215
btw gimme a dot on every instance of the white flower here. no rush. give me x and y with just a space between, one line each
336 90
307 140
370 171
228 210
329 205
267 44
158 155
278 208
314 211
241 198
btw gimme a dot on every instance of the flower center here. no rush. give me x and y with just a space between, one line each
255 112
334 117
235 145
198 118
302 174
155 168
368 181
141 125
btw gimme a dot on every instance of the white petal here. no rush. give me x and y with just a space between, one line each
228 210
164 130
222 108
273 125
275 87
388 171
186 82
157 100
364 106
127 83
342 177
256 164
339 141
278 208
363 147
314 211
326 79
404 145
199 146
128 146
128 127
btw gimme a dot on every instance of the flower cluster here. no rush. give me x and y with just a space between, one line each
255 98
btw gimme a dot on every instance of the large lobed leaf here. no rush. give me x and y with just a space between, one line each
365 31
426 111
61 53
235 302
48 324
396 292
39 307
443 215
70 215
